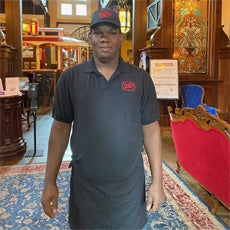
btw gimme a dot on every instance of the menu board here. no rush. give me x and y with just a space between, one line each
164 73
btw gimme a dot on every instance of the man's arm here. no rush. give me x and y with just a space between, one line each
152 144
58 142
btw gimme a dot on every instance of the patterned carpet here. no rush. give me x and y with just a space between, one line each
21 188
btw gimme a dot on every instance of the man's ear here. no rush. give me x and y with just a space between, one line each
122 37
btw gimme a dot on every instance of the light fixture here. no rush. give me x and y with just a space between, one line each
34 27
25 28
124 15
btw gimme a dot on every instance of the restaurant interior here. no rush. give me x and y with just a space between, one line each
183 44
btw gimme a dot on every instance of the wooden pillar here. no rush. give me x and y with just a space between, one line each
139 28
167 28
38 58
13 12
59 58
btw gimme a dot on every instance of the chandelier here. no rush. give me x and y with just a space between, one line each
124 15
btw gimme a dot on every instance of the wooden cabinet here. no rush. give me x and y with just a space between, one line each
7 54
11 142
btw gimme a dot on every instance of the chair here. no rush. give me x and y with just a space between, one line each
192 95
202 148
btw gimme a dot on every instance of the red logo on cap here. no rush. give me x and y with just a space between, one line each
104 14
128 86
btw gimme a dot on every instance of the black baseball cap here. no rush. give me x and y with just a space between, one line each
105 15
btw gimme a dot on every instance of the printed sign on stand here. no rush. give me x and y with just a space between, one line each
12 85
164 73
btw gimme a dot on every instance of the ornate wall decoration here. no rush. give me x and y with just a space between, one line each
190 36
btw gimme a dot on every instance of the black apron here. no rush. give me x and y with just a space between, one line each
107 205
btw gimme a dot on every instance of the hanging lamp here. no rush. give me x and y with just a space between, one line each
124 15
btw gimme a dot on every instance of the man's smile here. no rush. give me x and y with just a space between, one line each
105 48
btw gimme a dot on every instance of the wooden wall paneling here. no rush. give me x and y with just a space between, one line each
13 9
212 35
139 28
211 90
210 80
162 50
223 56
167 28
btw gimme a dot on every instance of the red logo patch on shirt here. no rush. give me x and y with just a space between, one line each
128 86
105 14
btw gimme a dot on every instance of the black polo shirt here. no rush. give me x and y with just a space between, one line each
107 117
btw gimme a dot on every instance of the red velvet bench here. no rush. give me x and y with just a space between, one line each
203 150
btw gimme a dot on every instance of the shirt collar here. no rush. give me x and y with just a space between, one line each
122 66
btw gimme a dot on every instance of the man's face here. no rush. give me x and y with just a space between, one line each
106 42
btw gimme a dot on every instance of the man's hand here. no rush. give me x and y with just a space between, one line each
49 200
155 198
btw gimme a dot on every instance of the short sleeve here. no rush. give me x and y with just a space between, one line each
62 108
149 104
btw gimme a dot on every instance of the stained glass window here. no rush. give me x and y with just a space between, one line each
190 35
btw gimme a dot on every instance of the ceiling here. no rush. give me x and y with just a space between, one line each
29 6
40 7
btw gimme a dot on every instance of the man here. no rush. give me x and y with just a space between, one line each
112 109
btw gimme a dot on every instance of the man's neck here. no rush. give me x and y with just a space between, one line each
107 69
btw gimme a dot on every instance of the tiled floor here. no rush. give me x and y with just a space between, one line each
43 125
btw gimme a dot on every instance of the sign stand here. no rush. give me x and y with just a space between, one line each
34 113
33 98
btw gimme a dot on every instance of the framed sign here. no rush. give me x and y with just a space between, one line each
164 73
28 52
